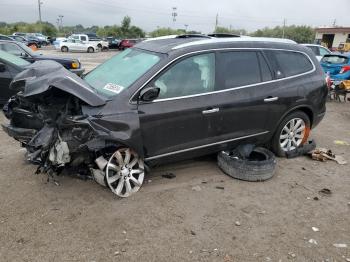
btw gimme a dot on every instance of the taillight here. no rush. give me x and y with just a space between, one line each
344 69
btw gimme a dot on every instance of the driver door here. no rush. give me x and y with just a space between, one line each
179 120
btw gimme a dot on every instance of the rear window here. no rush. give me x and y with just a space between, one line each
290 63
335 59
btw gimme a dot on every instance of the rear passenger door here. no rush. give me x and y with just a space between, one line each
289 69
242 86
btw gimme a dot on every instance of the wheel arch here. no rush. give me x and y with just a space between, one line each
303 108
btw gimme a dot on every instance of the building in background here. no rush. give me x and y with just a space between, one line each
332 36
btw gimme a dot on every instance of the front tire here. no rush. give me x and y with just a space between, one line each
64 49
291 133
90 50
125 172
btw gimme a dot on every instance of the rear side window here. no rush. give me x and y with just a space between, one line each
291 63
240 68
335 59
83 38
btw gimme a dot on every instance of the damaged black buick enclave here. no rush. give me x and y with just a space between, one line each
165 100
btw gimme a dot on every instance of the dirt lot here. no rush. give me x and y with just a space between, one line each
169 221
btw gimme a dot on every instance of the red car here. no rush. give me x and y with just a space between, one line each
127 43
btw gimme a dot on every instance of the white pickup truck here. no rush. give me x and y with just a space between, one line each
91 38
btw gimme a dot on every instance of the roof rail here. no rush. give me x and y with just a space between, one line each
235 39
192 35
223 35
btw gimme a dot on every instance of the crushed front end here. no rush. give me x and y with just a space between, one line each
60 121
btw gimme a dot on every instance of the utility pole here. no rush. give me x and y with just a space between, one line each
186 25
334 22
39 7
60 19
216 22
174 14
284 27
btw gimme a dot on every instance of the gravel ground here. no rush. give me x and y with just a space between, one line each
167 220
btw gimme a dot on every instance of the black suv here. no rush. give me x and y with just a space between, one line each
168 99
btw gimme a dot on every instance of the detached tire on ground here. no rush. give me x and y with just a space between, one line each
258 166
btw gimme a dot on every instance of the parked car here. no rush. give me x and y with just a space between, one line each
127 43
337 66
91 39
4 37
21 50
318 50
10 66
29 43
166 100
77 45
113 43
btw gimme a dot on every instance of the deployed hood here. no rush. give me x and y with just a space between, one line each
44 75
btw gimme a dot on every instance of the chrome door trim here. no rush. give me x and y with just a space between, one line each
225 90
203 146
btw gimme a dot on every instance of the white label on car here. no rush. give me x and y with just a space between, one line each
113 88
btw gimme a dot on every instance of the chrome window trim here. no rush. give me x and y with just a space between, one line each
224 90
203 146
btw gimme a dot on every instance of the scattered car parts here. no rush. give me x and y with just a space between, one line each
249 164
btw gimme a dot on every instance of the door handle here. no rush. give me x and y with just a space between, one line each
271 99
210 111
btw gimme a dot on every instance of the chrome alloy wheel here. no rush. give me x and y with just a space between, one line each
292 134
125 172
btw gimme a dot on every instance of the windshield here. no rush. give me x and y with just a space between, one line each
335 59
13 59
119 72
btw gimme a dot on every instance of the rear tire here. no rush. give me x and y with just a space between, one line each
90 50
64 49
292 133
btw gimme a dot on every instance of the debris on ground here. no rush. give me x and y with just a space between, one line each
196 188
340 245
315 229
312 241
291 255
323 154
220 187
169 175
193 233
325 191
237 223
316 198
342 143
302 150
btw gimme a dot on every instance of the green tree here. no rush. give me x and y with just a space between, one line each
225 30
300 34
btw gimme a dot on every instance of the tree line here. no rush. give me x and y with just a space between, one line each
300 34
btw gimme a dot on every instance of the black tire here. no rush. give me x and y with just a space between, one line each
90 50
259 166
275 142
64 49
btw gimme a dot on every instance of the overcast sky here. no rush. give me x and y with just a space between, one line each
198 14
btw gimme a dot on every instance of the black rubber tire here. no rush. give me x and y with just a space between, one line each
64 49
99 46
90 50
248 169
275 143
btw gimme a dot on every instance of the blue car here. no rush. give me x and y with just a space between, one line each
337 66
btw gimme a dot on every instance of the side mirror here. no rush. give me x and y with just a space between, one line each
148 94
2 67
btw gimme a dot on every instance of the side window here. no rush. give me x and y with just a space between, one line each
193 75
291 63
12 49
323 51
238 68
83 38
